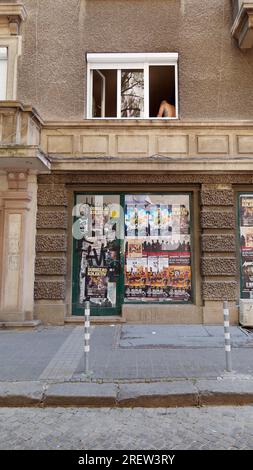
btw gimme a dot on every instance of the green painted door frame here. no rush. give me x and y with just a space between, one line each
77 308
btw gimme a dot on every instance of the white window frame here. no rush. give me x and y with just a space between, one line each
13 44
3 72
118 61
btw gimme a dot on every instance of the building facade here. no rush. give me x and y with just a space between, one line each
126 160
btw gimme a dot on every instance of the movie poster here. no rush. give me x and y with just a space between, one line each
154 220
135 264
246 211
97 281
134 248
175 219
142 221
153 264
131 220
165 220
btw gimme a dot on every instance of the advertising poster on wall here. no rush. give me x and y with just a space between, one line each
246 245
142 221
246 211
99 253
154 220
165 219
97 283
158 265
131 221
134 248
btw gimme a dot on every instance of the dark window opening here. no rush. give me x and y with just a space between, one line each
104 102
161 87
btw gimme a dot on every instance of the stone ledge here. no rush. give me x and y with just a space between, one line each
180 393
230 389
13 10
19 324
21 393
226 391
81 394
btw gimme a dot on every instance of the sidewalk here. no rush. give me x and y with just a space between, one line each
130 365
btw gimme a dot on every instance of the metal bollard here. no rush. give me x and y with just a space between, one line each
227 337
86 336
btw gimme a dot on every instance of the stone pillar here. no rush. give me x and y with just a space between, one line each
51 250
18 204
218 260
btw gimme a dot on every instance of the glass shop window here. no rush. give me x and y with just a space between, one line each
132 86
99 249
158 248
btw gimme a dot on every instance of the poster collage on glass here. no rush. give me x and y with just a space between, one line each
156 249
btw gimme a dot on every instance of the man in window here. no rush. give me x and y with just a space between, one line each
166 110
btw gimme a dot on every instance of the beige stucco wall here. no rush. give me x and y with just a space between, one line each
215 76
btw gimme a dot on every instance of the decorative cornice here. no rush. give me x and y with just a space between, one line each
242 29
145 124
13 10
17 105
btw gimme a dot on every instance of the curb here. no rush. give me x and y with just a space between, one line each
157 394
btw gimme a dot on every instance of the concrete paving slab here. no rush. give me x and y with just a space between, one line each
25 354
21 393
158 394
179 336
81 394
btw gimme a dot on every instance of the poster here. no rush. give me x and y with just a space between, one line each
99 258
246 211
165 220
154 220
131 220
153 264
142 221
163 263
134 248
135 264
184 219
246 245
158 257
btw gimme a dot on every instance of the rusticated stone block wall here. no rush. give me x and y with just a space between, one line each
51 241
218 259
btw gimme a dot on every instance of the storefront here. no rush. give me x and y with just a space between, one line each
131 249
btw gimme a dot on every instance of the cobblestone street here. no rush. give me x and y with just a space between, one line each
127 429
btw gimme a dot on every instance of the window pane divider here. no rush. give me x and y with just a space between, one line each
146 91
119 93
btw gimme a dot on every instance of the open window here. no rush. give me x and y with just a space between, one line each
137 86
3 72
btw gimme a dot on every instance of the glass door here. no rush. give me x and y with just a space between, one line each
97 254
